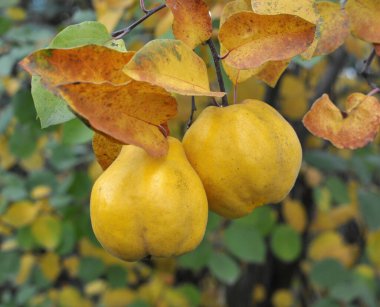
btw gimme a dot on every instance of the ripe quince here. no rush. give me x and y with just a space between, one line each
142 205
246 155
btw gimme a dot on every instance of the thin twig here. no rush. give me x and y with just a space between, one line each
121 33
374 91
193 109
142 5
218 69
365 70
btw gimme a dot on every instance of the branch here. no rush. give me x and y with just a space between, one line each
218 69
121 33
365 70
193 109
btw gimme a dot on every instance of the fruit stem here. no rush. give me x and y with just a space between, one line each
193 109
218 70
121 33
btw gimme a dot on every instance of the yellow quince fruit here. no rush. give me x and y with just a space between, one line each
246 155
142 205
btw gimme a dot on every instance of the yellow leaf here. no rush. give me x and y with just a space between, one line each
305 9
105 149
294 214
109 12
118 297
9 245
365 19
50 266
330 244
27 262
69 297
132 113
253 39
163 24
40 192
71 265
16 13
334 218
192 22
96 287
353 128
163 62
7 160
34 162
373 247
282 298
20 214
293 97
47 230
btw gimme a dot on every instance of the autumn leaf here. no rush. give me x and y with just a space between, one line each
131 113
89 63
377 49
172 65
333 29
268 72
105 149
305 9
365 19
253 39
192 21
353 128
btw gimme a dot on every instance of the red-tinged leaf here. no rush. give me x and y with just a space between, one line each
305 9
173 65
90 63
377 49
131 113
192 21
352 129
253 39
106 149
334 28
365 19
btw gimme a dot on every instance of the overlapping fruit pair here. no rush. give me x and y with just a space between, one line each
231 160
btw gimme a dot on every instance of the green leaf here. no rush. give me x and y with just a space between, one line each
116 276
23 106
81 185
327 273
192 294
245 242
338 189
25 293
286 243
69 238
223 267
262 218
85 33
9 265
213 222
23 141
370 208
326 302
198 258
5 25
25 238
76 132
90 268
6 116
51 109
325 161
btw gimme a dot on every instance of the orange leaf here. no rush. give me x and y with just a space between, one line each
105 149
365 19
192 21
302 8
377 49
354 128
90 63
172 65
131 113
254 39
334 27
268 72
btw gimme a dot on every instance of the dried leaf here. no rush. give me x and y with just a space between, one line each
105 149
89 63
172 65
192 21
131 113
365 19
334 28
254 39
354 128
305 9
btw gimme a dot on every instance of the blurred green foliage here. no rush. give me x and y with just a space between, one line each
321 247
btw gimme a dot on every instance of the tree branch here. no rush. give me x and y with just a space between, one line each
121 33
365 70
218 69
193 109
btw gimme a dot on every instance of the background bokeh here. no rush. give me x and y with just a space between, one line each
320 247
